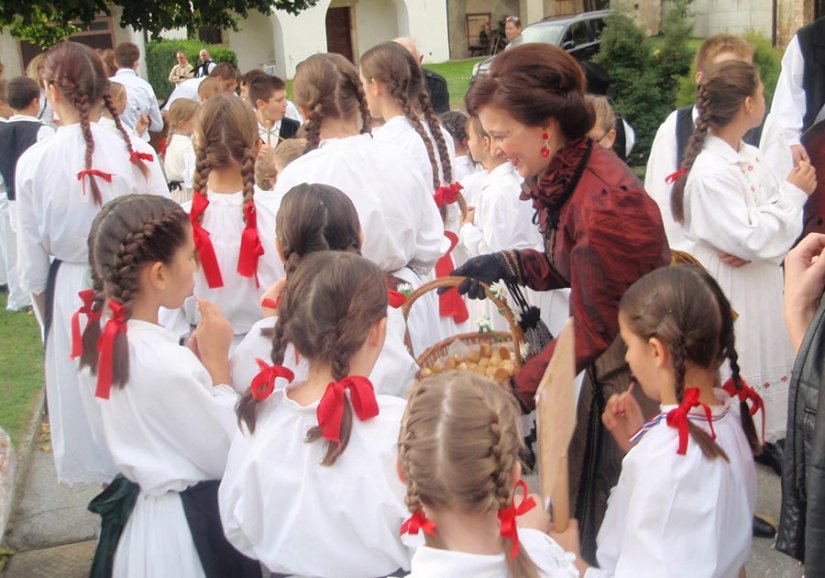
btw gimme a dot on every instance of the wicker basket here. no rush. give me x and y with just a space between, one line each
440 350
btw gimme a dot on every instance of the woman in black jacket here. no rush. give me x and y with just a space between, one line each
802 523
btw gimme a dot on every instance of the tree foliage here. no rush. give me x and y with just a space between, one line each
44 22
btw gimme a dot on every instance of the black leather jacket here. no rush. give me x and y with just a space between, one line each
802 524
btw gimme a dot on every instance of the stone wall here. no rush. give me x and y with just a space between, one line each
457 11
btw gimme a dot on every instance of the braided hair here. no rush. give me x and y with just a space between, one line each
458 449
130 233
327 85
719 98
77 72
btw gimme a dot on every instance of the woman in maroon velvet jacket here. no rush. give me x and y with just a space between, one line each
602 232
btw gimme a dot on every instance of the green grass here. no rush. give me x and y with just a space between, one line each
457 73
21 369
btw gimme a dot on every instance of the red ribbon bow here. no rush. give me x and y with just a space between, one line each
135 156
92 173
271 303
251 247
674 176
203 244
678 417
447 195
88 297
418 521
450 303
507 516
106 348
744 394
263 384
395 298
331 408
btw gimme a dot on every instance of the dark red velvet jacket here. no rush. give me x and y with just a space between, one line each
609 234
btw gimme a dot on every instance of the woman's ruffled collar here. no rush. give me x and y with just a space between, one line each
550 191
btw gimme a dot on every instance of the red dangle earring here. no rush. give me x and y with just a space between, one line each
545 150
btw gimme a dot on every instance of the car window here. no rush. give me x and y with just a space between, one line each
580 33
597 25
544 34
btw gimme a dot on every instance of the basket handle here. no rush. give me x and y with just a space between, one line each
455 281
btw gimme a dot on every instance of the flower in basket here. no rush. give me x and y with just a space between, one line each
498 289
484 324
406 289
524 350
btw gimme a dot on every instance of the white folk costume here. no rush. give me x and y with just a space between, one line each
237 295
403 232
179 164
168 429
281 506
734 204
551 560
681 515
140 101
49 191
393 374
464 166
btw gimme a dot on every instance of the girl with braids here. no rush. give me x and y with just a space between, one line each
458 457
61 184
402 227
310 486
236 264
169 460
743 222
685 498
316 218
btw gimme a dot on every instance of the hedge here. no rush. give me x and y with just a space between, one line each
160 58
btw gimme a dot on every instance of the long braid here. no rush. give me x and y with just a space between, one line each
744 411
248 175
91 334
692 150
110 106
435 129
81 103
312 127
202 170
400 94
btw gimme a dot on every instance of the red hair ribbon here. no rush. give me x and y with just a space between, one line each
92 173
507 516
447 195
88 298
271 303
331 408
744 394
450 303
203 244
251 247
106 348
135 156
678 417
263 384
674 176
418 521
395 298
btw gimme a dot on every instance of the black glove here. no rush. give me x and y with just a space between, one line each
482 269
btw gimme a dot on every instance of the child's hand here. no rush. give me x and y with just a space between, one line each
469 217
141 125
803 176
272 294
731 260
623 417
804 285
213 337
799 153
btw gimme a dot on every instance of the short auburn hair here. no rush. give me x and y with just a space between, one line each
127 54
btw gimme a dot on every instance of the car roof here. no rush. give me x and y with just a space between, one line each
571 17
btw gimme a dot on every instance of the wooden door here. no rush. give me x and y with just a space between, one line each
339 33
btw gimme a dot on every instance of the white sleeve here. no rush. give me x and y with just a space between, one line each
661 163
156 181
717 213
429 246
33 257
472 239
44 132
155 119
789 106
629 137
189 162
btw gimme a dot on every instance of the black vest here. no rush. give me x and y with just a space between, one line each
15 139
812 45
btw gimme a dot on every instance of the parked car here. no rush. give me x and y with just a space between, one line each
579 34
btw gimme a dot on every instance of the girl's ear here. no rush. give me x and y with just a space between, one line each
154 276
402 475
378 333
304 111
659 351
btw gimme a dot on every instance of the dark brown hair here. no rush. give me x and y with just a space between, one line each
224 71
327 318
327 85
225 135
719 97
684 307
21 91
127 54
77 72
109 61
534 83
455 122
135 231
393 66
263 86
458 445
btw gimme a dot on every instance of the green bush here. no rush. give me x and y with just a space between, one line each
160 58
